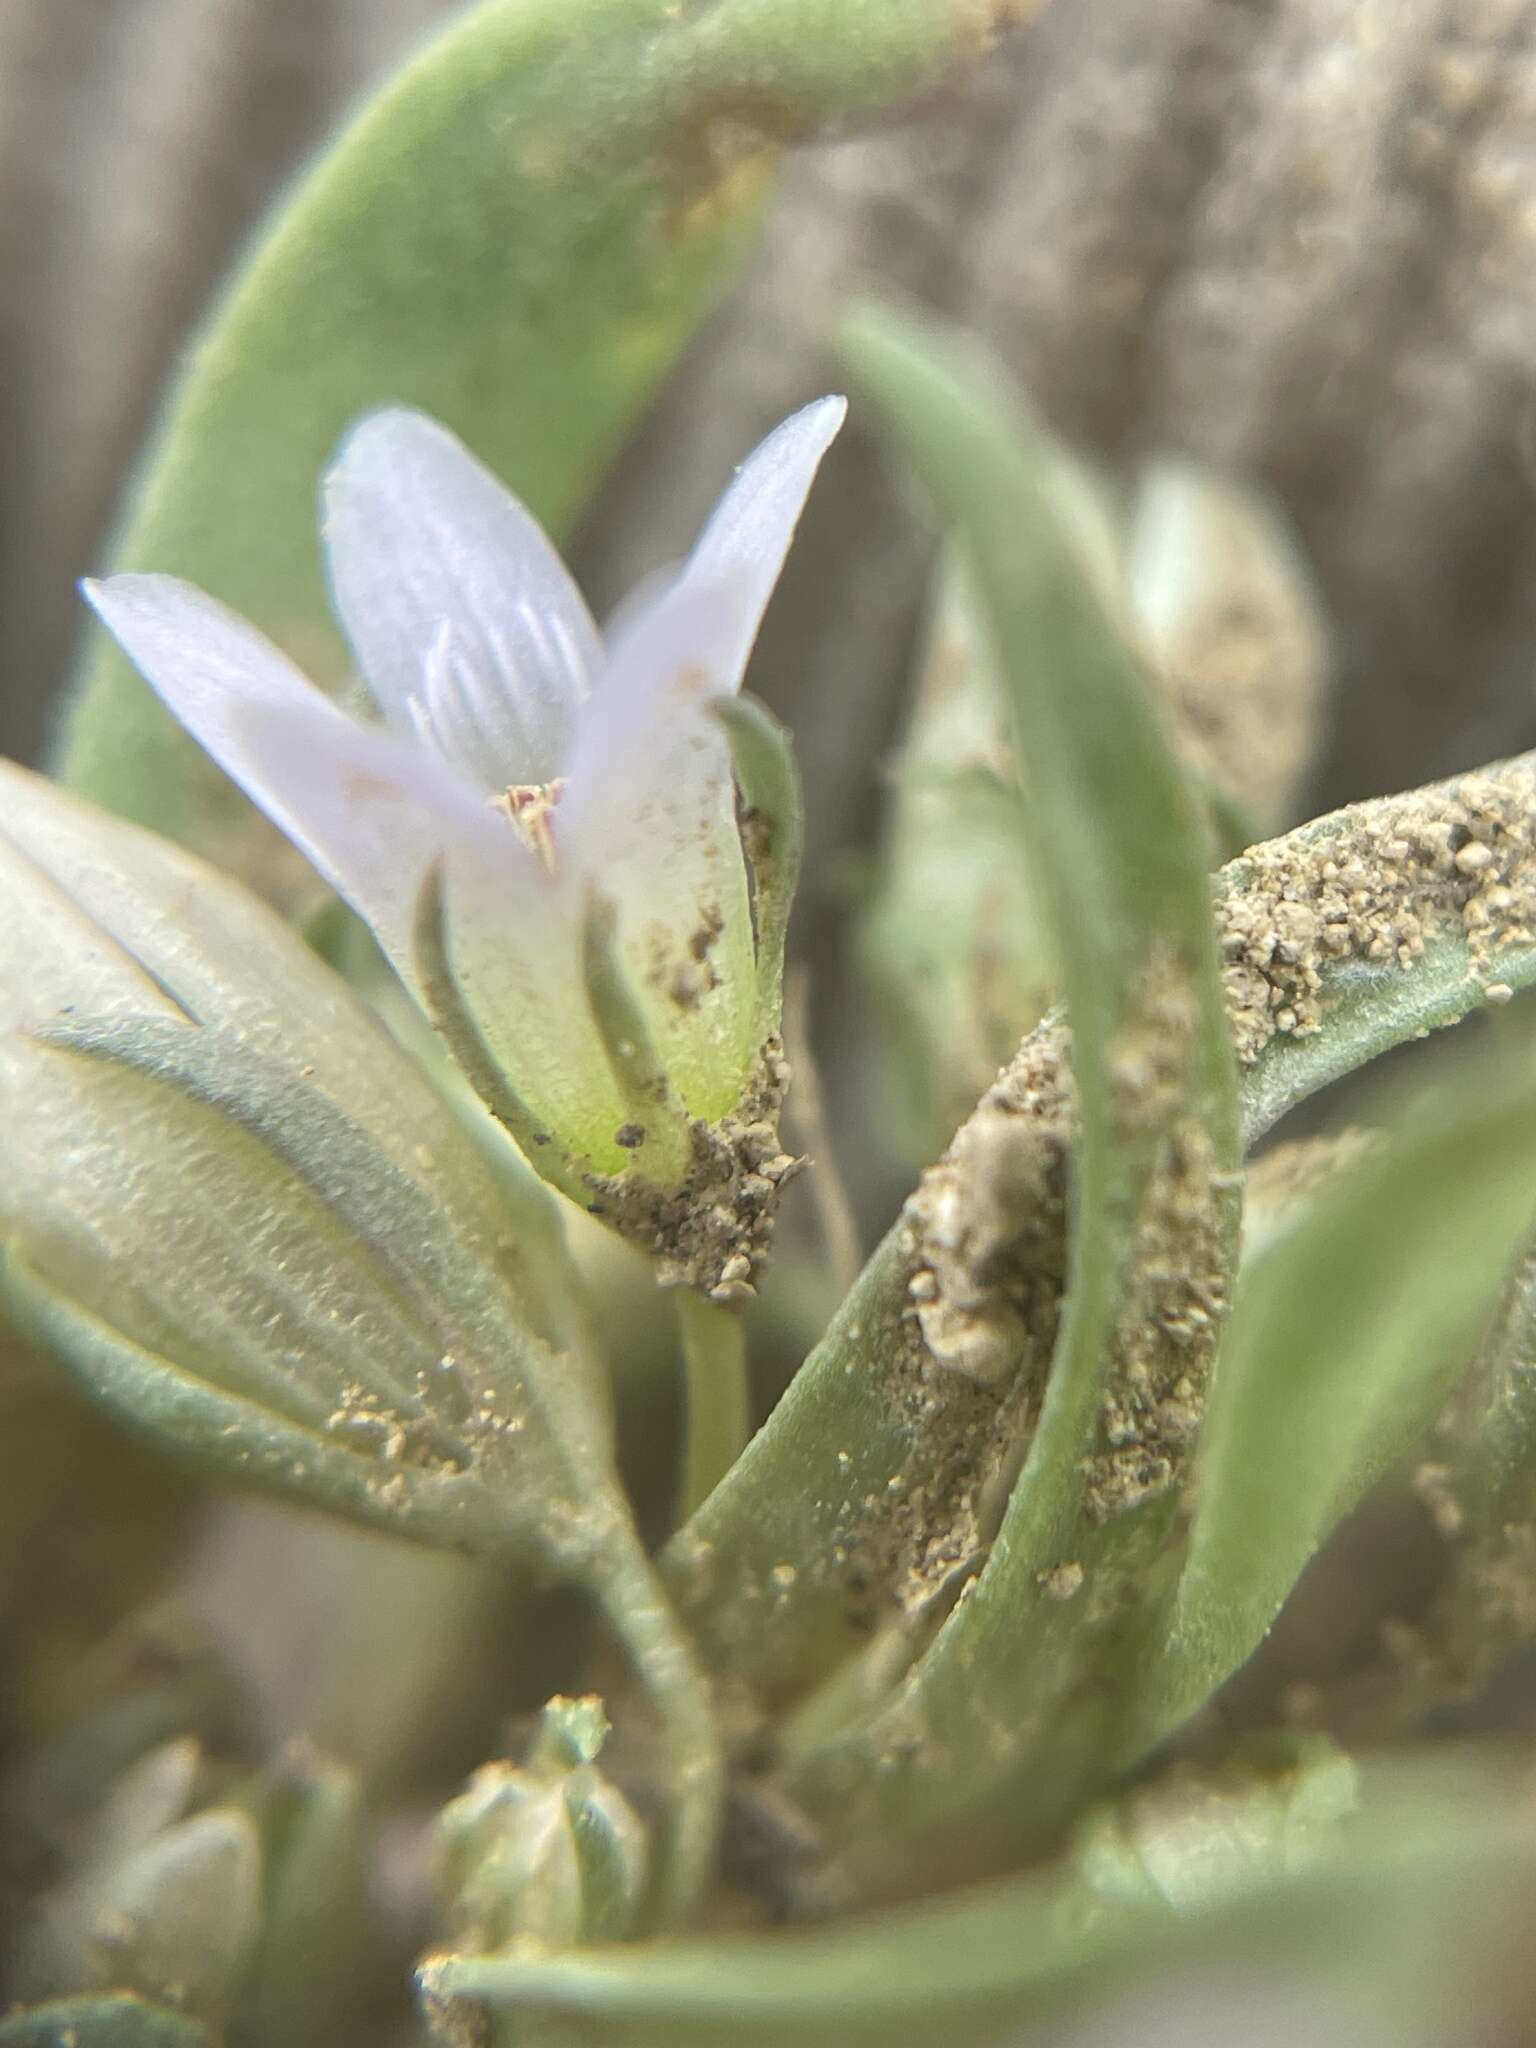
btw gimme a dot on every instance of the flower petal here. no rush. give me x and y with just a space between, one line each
369 810
454 600
748 534
650 817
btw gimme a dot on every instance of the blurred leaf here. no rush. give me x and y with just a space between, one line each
117 2021
1476 1481
1360 1920
313 1950
517 235
1206 587
174 1917
1228 610
951 939
1200 1840
87 1526
1350 1328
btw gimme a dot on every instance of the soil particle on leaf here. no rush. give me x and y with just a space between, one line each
1370 888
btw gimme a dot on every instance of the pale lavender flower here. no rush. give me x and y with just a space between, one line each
531 758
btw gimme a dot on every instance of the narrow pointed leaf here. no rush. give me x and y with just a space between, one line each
773 828
1118 853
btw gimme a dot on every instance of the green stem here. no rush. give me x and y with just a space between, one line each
719 1408
626 1587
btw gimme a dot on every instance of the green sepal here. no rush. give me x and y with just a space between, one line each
656 1118
437 990
773 833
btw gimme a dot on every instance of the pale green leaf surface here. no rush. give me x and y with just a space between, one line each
517 235
1349 1330
233 1263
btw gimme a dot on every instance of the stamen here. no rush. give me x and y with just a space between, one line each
531 808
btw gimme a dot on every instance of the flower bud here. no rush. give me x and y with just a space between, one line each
548 1852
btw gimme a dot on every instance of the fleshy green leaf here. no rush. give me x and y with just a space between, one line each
1350 1329
107 921
276 1298
517 235
241 1211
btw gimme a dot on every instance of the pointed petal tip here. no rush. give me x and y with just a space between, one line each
146 596
107 593
833 408
816 425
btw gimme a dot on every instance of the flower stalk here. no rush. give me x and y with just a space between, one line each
718 1395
